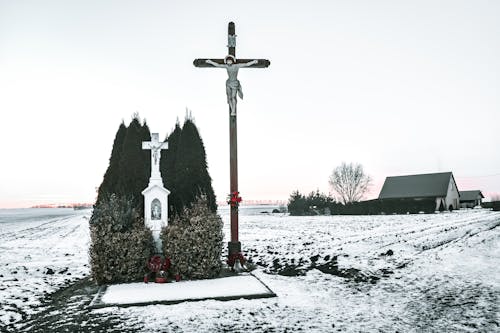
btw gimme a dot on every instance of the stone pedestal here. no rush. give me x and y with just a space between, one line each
156 211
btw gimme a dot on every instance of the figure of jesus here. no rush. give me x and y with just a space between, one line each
155 150
155 146
233 86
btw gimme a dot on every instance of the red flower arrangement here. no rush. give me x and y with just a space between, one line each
234 199
159 267
154 264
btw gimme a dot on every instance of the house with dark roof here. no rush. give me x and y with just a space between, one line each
440 187
471 199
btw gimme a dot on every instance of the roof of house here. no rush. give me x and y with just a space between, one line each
416 186
470 195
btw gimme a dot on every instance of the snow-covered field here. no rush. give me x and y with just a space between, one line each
410 273
41 250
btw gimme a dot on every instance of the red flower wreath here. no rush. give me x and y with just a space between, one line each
234 199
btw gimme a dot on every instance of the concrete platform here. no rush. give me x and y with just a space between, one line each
245 286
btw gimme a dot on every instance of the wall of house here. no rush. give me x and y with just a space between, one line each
452 197
471 203
438 203
468 204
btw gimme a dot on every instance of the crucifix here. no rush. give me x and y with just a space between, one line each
156 146
233 90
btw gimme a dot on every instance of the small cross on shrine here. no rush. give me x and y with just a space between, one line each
156 146
233 89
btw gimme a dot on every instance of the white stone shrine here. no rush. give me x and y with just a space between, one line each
155 195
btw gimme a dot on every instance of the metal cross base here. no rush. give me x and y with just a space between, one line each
236 260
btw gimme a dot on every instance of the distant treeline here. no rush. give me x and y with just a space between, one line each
495 205
316 203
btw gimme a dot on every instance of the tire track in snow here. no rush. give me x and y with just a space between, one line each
309 246
45 228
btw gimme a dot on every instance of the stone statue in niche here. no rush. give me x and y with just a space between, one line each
156 210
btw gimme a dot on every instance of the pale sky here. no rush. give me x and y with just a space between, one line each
401 87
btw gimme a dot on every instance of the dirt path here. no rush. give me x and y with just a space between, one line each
67 311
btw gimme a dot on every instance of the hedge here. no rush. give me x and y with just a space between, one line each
120 243
193 241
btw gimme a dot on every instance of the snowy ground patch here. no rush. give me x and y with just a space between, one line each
41 250
233 287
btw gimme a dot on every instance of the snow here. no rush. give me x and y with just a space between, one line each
32 241
235 286
443 274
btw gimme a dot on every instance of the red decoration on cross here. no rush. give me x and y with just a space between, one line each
234 199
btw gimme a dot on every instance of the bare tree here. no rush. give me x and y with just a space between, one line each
350 182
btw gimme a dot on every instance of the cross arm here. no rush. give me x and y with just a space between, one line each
164 145
203 62
261 63
154 145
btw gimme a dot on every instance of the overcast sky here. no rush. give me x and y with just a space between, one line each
401 87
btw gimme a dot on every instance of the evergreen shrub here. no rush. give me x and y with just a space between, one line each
297 204
193 242
120 243
487 204
315 203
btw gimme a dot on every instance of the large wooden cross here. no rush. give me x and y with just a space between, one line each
233 89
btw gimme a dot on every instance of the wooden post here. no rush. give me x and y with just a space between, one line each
234 246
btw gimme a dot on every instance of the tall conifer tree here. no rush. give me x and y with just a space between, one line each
167 168
110 180
135 163
191 175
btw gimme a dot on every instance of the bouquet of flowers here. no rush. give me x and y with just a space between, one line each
234 199
159 268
